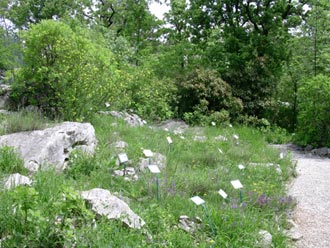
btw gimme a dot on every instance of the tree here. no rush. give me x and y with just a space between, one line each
25 12
245 41
65 74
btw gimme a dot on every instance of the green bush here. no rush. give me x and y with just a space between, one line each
203 92
314 115
65 73
149 96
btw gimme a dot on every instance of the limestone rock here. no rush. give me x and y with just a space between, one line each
131 119
42 149
189 225
220 138
294 234
265 239
130 174
175 126
200 138
120 145
157 159
15 180
322 152
105 204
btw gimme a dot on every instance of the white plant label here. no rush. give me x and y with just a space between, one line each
182 137
220 150
122 158
148 153
281 155
236 184
154 169
197 200
235 136
222 193
213 123
169 140
241 167
107 104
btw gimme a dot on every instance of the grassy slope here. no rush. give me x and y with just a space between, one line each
193 168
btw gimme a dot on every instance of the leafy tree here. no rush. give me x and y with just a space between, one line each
245 41
25 12
65 74
314 118
203 92
309 56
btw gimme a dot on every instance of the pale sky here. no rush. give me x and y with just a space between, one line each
158 9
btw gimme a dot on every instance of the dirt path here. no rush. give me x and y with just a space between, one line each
311 188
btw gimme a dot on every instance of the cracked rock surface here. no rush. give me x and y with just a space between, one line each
51 147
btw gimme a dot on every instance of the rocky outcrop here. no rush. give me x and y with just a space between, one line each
131 119
322 152
51 147
15 180
157 159
104 203
175 126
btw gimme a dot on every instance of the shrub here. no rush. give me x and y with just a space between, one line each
204 92
65 74
314 116
149 96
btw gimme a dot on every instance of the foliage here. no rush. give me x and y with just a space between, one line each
149 96
26 12
203 92
44 215
245 42
314 118
65 74
10 52
10 162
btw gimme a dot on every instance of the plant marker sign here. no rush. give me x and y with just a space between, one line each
213 123
235 136
223 194
123 159
241 167
169 140
220 150
154 169
148 153
237 185
197 200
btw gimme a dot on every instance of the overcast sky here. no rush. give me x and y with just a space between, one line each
158 9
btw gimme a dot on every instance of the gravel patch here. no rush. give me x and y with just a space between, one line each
312 191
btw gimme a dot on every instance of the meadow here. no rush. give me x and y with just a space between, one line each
51 212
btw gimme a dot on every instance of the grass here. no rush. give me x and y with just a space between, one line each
51 213
23 121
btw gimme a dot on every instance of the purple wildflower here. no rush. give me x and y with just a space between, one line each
262 200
